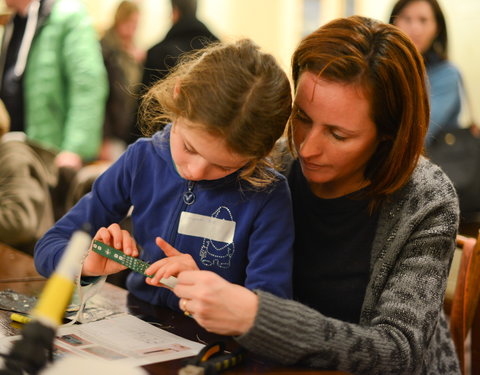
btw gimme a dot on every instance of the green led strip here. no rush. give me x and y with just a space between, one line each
128 261
118 256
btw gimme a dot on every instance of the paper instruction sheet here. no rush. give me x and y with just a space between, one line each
123 338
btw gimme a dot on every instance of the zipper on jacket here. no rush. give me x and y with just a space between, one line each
189 195
188 198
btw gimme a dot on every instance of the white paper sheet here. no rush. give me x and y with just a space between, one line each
123 338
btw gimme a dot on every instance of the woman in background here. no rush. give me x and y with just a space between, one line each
124 63
423 21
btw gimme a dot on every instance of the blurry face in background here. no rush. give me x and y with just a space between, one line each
417 20
126 30
18 5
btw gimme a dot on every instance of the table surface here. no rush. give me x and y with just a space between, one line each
17 272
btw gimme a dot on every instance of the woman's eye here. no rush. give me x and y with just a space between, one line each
338 136
301 117
424 20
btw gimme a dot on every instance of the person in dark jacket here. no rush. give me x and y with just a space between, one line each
186 34
124 63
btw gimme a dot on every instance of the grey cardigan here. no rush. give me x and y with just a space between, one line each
402 327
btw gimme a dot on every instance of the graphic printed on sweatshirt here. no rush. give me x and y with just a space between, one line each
217 231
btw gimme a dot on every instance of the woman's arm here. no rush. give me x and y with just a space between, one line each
403 305
107 203
398 321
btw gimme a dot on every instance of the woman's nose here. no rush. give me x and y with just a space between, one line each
312 143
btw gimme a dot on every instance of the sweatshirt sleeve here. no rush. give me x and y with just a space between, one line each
270 256
107 203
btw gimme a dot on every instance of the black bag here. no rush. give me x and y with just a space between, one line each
457 152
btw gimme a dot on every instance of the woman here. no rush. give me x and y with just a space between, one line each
424 23
375 221
124 63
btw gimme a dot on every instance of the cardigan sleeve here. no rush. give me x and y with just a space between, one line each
402 312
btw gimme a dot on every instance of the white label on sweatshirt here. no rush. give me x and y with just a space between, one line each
207 227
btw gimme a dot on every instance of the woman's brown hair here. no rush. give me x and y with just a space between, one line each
234 91
383 62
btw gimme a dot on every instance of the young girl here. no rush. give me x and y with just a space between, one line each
203 183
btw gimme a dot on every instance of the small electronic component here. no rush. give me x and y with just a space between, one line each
128 261
211 360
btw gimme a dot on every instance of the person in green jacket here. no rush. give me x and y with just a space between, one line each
53 79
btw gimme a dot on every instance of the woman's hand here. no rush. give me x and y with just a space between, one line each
172 265
216 304
96 264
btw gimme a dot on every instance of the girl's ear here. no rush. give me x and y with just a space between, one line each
176 89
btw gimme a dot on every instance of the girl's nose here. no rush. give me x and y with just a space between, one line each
198 169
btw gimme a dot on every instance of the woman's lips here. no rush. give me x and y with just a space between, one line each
311 166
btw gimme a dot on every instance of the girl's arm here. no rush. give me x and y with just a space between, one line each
270 244
107 203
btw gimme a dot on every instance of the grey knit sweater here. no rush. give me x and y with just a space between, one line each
402 327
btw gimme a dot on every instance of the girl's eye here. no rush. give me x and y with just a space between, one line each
187 150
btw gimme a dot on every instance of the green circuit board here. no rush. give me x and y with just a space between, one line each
128 261
118 256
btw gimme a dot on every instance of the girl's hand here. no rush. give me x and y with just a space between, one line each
172 265
216 304
96 264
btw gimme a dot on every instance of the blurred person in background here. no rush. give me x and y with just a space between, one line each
423 21
187 33
53 79
27 173
124 63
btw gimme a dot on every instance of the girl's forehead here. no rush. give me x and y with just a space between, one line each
210 146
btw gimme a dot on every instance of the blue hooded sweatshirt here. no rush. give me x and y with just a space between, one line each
229 227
